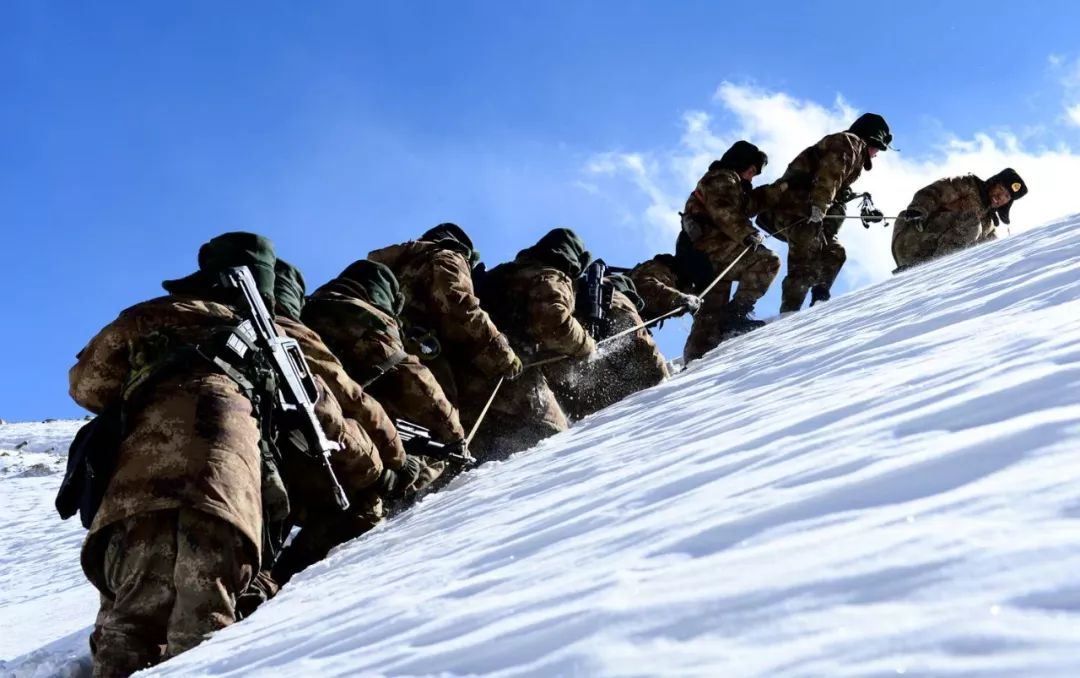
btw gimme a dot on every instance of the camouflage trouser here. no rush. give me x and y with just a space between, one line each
174 576
627 365
939 236
815 257
754 271
323 531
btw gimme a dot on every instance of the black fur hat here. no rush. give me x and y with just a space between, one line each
741 156
1017 187
872 128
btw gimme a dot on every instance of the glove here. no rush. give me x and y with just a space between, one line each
458 453
753 241
915 218
587 348
394 484
816 215
691 302
513 370
872 217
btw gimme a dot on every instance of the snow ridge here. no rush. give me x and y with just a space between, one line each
881 485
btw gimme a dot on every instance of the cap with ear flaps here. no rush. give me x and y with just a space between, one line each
1012 182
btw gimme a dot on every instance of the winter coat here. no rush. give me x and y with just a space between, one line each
355 403
192 440
817 177
365 338
439 296
659 286
957 214
721 206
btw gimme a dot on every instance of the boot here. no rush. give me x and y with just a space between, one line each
737 319
819 293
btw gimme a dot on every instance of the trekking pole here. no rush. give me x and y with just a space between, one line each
483 412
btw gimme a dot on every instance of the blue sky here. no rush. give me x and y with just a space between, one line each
136 131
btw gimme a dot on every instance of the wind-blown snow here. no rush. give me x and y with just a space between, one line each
885 484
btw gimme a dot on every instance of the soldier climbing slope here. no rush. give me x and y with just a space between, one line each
324 527
625 366
435 273
802 205
195 495
532 300
356 315
954 213
717 222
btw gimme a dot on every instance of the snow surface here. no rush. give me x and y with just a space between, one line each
882 485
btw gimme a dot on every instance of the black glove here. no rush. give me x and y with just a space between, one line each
753 241
394 484
871 216
458 453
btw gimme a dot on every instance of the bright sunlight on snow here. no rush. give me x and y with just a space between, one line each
883 485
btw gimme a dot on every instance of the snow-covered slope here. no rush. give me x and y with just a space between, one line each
885 484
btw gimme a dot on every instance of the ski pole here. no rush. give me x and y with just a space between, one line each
483 412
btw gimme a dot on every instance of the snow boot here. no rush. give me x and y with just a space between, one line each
819 293
737 320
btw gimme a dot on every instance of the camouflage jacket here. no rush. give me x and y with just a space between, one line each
191 441
817 177
355 402
365 338
948 202
658 285
439 296
535 303
721 202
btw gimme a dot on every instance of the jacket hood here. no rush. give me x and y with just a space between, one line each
230 250
561 249
289 289
372 282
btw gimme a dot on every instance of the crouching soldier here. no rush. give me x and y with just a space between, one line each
952 214
435 273
356 315
195 496
532 300
623 367
803 204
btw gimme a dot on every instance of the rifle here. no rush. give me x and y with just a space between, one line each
417 440
297 392
594 299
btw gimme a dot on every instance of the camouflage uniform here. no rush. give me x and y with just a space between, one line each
179 565
819 177
364 334
323 525
623 367
436 277
532 299
958 215
717 221
192 447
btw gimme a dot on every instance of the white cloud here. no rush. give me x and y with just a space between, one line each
783 125
1074 114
